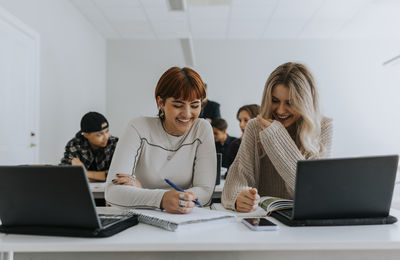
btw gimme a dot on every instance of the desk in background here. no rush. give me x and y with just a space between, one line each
231 241
97 188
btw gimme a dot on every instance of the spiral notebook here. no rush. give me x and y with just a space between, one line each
174 222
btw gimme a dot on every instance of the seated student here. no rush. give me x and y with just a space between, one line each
176 145
92 147
210 110
290 128
222 139
244 114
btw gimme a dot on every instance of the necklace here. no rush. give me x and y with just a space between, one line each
172 149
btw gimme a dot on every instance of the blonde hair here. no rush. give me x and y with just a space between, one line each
303 99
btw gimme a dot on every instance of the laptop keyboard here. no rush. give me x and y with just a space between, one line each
288 213
107 220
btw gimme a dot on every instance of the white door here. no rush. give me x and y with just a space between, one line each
19 92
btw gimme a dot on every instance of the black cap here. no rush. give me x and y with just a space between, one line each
93 122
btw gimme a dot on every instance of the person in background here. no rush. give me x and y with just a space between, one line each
222 139
92 147
175 145
244 114
289 128
210 110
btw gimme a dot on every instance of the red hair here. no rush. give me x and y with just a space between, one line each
180 83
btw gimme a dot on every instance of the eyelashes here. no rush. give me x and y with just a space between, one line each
193 107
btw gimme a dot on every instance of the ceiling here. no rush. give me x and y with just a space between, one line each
243 19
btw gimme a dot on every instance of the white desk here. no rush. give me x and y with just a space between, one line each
230 241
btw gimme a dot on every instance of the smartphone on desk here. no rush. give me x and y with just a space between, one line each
259 224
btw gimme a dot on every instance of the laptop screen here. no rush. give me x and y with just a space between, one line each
344 188
46 196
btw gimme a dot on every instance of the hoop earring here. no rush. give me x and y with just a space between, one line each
161 113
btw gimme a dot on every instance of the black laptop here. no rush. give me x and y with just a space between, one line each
350 191
53 200
219 165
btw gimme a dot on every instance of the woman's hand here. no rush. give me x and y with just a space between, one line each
247 200
178 202
264 123
126 179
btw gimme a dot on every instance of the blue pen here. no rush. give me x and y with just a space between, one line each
173 185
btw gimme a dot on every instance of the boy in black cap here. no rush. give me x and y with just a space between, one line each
92 147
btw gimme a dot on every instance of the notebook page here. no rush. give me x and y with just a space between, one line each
197 215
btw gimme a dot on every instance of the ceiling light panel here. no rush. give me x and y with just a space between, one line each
124 14
120 3
251 13
160 14
209 13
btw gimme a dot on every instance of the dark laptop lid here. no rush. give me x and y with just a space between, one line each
219 165
344 188
46 196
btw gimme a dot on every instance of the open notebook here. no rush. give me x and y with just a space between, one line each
175 222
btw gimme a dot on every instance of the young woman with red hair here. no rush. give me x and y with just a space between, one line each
176 145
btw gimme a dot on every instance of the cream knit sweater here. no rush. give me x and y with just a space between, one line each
267 160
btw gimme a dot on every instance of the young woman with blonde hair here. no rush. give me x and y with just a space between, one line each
289 128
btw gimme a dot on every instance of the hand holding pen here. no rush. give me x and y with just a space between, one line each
178 200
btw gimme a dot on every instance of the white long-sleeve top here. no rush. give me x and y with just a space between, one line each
147 151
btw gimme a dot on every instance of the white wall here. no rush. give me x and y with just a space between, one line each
133 70
355 89
73 68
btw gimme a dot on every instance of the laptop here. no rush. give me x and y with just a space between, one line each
219 165
53 200
349 191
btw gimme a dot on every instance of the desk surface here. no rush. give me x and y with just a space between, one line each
225 237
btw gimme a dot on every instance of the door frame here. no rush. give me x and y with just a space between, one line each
16 23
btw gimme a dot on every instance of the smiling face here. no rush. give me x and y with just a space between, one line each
179 114
281 108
